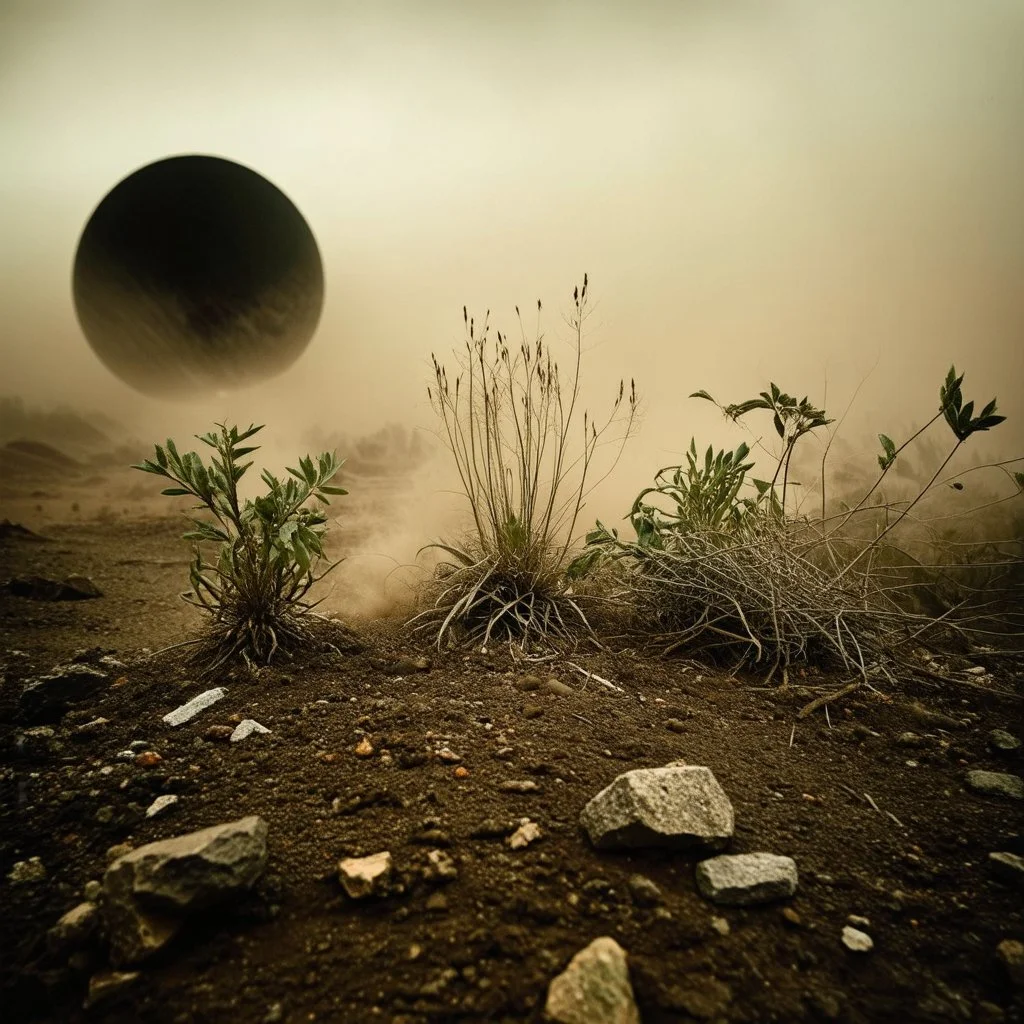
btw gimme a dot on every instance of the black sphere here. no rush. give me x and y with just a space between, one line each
195 274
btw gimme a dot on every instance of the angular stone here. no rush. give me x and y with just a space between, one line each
150 889
189 711
74 929
26 871
46 698
246 728
365 876
108 983
996 784
743 879
36 744
528 832
681 807
594 988
645 893
1009 867
161 803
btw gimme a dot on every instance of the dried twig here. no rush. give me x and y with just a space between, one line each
825 699
593 675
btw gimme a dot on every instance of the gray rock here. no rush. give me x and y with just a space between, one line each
189 711
46 698
519 786
594 988
996 784
25 872
151 890
857 941
106 984
645 893
744 879
680 807
1003 742
1009 867
365 876
246 728
74 929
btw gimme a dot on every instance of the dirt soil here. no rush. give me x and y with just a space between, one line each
881 830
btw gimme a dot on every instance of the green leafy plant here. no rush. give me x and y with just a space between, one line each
267 548
509 419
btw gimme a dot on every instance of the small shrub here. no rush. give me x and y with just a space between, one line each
268 548
509 419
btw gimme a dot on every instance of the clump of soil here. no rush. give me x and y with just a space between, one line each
389 745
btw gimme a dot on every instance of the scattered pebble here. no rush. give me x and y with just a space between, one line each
857 941
996 784
161 803
1011 955
519 786
528 832
189 711
1003 742
25 872
246 728
1009 867
364 748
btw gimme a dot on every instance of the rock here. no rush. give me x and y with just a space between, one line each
910 739
161 803
527 684
365 876
108 983
1011 955
440 867
46 698
857 921
25 872
1003 742
1009 867
36 744
594 988
996 784
92 890
364 748
743 879
675 725
678 807
74 929
40 588
219 733
528 832
246 728
118 850
557 687
645 893
150 890
490 828
179 716
720 925
147 759
448 756
519 786
88 729
857 941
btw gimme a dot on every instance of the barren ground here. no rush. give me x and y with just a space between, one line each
877 829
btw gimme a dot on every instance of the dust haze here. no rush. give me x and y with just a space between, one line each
822 195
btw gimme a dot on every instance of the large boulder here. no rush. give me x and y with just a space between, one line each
151 890
681 807
743 879
594 988
46 698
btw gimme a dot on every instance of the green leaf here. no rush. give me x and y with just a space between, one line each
704 395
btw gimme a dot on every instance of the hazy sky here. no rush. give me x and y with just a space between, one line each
775 189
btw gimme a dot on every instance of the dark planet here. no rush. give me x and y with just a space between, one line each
196 275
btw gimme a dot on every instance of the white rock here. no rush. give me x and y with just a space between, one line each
161 803
179 716
743 879
527 833
364 876
594 988
857 941
246 728
679 807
